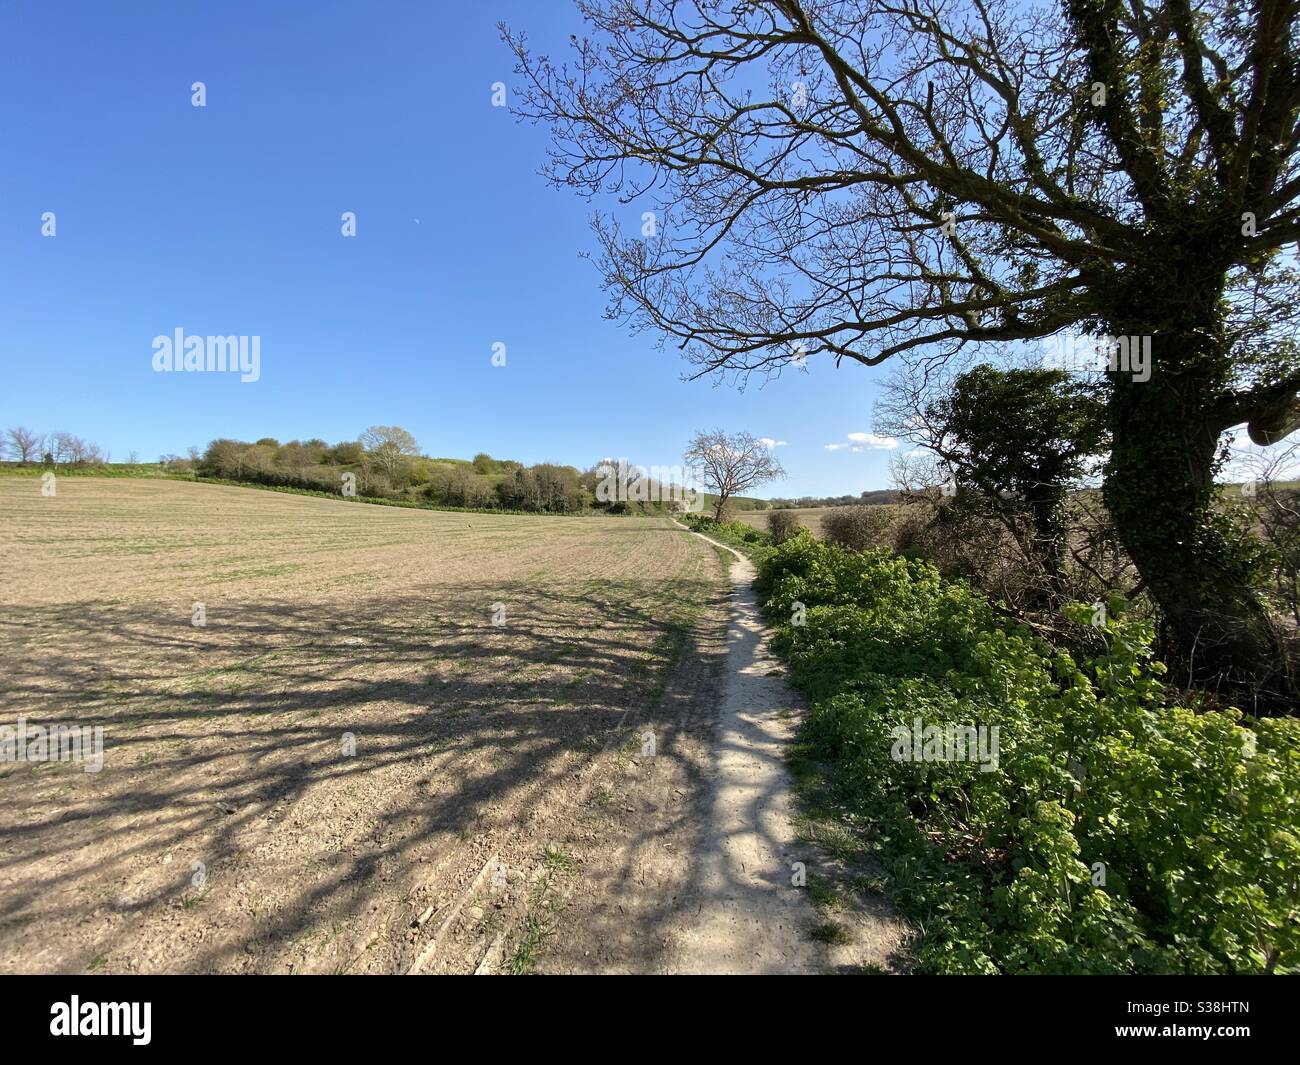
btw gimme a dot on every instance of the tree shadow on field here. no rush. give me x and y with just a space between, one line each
732 905
225 745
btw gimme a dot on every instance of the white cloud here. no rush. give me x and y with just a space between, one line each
863 442
886 443
769 443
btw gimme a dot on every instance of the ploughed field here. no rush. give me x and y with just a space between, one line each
399 739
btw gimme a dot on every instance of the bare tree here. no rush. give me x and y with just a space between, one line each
860 178
731 464
67 448
63 446
388 448
24 444
1270 496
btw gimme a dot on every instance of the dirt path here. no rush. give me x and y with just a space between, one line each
743 913
690 867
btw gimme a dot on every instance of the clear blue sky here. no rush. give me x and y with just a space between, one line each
226 220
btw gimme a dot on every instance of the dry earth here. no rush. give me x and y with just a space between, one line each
224 744
539 795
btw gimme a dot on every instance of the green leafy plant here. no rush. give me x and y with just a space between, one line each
1117 831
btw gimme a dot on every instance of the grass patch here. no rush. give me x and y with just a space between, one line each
831 933
539 924
556 861
1114 830
524 956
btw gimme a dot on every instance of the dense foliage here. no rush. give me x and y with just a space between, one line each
736 533
1021 440
856 527
781 525
1118 830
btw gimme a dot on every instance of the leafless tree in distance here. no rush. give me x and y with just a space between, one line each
24 444
731 464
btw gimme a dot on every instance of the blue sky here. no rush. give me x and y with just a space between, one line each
226 220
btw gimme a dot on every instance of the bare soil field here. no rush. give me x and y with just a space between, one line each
529 700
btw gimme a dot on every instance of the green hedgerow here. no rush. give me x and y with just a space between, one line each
1118 831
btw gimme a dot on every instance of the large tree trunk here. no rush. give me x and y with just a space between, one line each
1049 529
1159 489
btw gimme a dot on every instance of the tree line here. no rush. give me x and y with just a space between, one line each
29 446
386 462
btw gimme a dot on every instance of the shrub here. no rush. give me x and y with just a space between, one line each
781 525
856 528
346 453
544 487
1117 830
733 532
458 486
